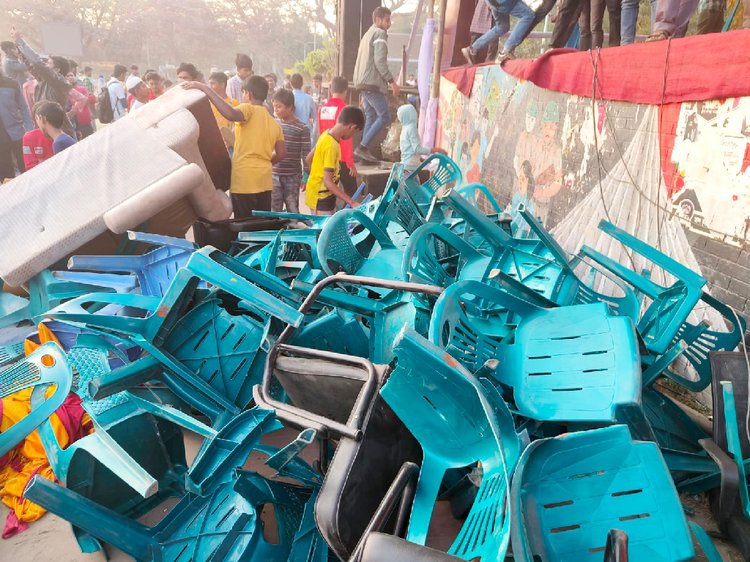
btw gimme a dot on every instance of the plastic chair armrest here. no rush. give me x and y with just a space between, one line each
640 283
683 273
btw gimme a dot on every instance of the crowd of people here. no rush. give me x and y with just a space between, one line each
282 137
669 19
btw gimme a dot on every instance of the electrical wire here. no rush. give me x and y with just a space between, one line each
600 166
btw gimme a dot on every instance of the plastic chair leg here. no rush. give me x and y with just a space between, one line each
430 478
705 542
108 452
121 532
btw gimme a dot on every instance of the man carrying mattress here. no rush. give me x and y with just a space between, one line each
258 144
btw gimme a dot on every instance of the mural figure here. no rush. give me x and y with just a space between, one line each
524 196
547 162
464 160
529 143
474 171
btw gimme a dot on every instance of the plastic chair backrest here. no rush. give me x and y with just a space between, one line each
44 368
476 194
701 341
569 491
434 396
343 248
471 320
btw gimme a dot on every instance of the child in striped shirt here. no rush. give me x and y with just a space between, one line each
287 173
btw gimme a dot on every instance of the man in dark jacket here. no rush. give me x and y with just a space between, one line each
373 78
52 85
11 127
13 68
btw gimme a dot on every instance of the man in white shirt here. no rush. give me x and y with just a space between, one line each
117 96
244 66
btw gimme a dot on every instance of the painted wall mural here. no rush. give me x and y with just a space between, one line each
709 167
547 150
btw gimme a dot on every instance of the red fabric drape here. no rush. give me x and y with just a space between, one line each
701 67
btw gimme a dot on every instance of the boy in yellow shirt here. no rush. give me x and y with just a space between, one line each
323 184
218 83
258 144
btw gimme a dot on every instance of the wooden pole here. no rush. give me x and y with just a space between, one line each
439 50
409 44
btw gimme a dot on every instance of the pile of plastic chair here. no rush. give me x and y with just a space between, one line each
357 382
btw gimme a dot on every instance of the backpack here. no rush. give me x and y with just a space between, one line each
104 106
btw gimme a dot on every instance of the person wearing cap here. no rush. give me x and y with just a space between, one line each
138 89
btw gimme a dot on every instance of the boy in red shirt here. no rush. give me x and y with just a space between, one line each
327 117
37 147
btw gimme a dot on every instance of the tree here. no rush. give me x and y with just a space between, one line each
320 61
323 12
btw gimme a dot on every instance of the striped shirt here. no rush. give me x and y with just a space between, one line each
297 141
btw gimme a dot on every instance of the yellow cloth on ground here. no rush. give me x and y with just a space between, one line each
327 157
254 142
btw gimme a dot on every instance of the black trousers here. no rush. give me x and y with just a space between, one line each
567 16
244 203
348 182
11 158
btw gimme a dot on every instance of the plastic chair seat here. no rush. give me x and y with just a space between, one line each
572 363
568 492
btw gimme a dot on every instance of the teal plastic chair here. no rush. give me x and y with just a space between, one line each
437 256
568 492
530 266
350 242
623 303
154 269
46 367
47 290
572 363
135 458
298 245
669 306
407 203
220 520
358 325
695 342
205 354
458 421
